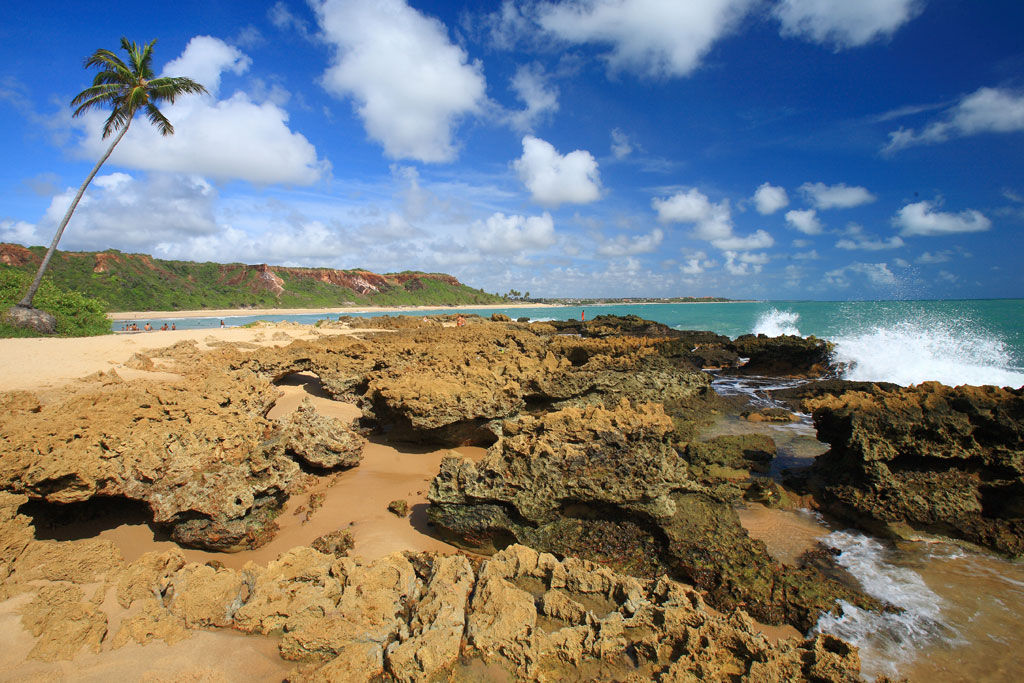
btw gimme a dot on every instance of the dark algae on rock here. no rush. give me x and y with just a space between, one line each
928 458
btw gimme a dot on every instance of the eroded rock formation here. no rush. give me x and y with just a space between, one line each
926 458
521 615
607 485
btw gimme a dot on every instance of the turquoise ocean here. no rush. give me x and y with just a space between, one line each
975 341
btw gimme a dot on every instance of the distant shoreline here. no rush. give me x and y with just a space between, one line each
248 312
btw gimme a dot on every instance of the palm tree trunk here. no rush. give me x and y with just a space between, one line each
26 301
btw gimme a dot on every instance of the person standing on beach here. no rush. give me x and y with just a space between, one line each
583 316
222 324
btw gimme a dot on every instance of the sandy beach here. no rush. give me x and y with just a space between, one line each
233 312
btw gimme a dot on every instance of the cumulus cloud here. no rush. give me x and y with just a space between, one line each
806 221
657 39
622 245
712 220
878 274
768 199
226 139
844 23
759 239
839 196
555 179
531 85
20 232
921 218
509 234
411 84
986 110
869 243
132 214
744 263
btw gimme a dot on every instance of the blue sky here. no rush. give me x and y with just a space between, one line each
779 149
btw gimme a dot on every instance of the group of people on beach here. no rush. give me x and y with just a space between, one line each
134 327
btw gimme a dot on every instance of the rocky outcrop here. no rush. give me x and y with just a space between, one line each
607 485
320 441
927 458
199 454
784 356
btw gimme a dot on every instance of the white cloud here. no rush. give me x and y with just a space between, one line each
920 218
410 82
839 196
986 110
626 246
530 84
508 234
928 257
204 60
553 178
806 221
621 146
744 264
651 37
877 274
769 198
226 139
712 220
123 212
867 243
758 240
811 255
844 23
20 232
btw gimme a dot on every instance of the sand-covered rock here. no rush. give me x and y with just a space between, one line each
931 458
607 485
63 622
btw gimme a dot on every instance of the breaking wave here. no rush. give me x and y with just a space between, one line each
775 323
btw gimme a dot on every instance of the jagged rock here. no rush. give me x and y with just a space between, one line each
500 318
322 441
203 596
399 507
293 590
63 623
434 637
800 397
198 453
370 610
16 534
606 485
338 543
152 622
926 458
769 415
732 456
784 356
148 577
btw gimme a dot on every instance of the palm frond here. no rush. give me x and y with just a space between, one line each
128 87
157 118
170 87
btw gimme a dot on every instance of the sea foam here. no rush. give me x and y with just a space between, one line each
775 323
915 351
886 641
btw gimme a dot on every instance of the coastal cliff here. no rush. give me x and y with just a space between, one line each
139 282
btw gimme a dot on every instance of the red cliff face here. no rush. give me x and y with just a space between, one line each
14 255
103 261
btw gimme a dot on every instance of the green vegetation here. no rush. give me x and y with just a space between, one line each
136 282
77 315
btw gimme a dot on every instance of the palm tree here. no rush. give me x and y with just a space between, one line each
127 88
